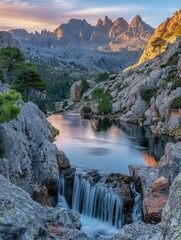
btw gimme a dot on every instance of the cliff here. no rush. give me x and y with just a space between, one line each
166 33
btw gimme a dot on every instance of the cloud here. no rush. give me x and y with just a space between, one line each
117 9
37 14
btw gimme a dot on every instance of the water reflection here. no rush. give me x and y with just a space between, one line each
107 147
101 124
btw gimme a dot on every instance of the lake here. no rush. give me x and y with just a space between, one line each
105 146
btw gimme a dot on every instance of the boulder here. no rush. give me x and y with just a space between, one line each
153 206
160 184
171 217
62 160
40 195
116 107
144 177
112 76
137 231
24 219
169 228
94 108
170 163
76 91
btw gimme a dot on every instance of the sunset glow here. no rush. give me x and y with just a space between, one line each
36 15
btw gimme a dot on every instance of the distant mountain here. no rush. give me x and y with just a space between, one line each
81 33
80 49
7 40
167 32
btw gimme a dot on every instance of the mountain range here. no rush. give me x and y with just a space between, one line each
80 33
83 50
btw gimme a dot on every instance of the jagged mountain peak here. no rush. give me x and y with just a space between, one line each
168 31
107 20
120 25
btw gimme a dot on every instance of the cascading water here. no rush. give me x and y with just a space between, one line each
61 193
97 202
137 208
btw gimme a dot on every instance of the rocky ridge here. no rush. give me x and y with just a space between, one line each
82 50
7 40
166 33
81 33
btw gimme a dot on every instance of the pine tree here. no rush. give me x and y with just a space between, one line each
28 79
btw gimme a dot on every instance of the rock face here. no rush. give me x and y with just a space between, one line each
81 33
30 160
153 206
145 94
23 219
7 40
168 31
138 28
76 91
160 184
74 30
155 189
169 228
119 26
171 217
170 163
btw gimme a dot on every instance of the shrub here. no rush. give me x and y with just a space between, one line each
8 109
54 131
173 60
12 53
84 85
101 77
177 83
97 94
148 93
176 103
86 109
105 105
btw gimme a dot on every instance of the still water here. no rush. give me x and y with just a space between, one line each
91 144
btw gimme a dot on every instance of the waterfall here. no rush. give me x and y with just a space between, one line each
137 208
61 192
97 202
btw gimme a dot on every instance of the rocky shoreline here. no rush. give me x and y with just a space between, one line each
144 95
30 169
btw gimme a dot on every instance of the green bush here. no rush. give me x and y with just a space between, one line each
12 53
55 132
105 105
176 103
86 109
97 94
8 109
148 93
84 85
177 83
173 60
101 77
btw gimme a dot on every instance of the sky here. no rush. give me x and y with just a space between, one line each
39 14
